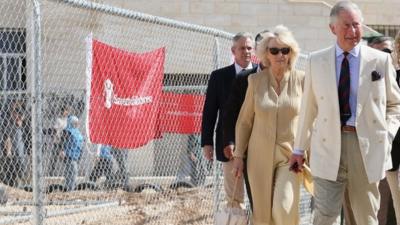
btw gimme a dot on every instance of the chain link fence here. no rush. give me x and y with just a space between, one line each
43 82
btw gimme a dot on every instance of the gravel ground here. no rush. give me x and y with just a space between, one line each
170 207
181 206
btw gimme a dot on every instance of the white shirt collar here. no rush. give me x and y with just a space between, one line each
239 68
355 52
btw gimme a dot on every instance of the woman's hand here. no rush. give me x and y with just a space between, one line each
237 166
296 163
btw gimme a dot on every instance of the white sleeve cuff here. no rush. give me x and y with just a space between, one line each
297 151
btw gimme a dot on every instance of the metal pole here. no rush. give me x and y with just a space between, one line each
37 167
216 53
111 10
216 170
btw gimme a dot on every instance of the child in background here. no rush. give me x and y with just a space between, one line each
72 140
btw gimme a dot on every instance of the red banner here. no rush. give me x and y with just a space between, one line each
125 92
181 113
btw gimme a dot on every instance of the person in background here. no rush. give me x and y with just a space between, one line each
233 105
72 140
121 177
349 116
15 167
59 125
393 175
265 130
386 212
103 165
382 43
192 163
218 89
396 56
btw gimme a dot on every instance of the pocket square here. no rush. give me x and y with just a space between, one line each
375 76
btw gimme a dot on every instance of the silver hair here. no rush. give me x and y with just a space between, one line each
241 35
344 5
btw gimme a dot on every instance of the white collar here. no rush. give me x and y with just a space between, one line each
354 52
239 68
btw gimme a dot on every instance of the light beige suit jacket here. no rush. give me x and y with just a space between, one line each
378 113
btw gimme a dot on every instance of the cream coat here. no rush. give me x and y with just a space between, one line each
266 128
378 113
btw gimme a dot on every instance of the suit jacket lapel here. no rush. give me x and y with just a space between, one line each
329 67
367 63
232 70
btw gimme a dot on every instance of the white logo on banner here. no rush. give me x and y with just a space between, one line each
111 99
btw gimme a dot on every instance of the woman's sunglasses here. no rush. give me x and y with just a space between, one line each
275 51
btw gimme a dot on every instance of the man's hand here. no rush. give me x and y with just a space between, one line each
228 151
296 163
238 167
208 151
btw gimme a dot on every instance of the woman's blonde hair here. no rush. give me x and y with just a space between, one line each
397 50
283 35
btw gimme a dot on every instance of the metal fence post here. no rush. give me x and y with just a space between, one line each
216 170
36 101
216 53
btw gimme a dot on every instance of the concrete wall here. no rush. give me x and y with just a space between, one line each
307 19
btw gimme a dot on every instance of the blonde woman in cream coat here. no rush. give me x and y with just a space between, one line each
265 130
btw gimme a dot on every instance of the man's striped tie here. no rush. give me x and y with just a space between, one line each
344 90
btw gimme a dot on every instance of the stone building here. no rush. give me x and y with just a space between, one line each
308 19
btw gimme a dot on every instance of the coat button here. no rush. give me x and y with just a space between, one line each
322 98
373 121
323 139
325 119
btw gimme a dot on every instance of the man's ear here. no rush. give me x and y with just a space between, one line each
332 27
233 50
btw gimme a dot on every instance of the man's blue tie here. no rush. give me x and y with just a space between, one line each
344 90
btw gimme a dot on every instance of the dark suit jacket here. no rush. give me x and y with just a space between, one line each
396 141
233 105
217 94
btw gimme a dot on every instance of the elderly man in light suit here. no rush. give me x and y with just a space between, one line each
349 116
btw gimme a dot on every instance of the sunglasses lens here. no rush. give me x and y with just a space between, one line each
285 51
274 51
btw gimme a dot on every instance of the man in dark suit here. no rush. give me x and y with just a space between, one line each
218 90
232 109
